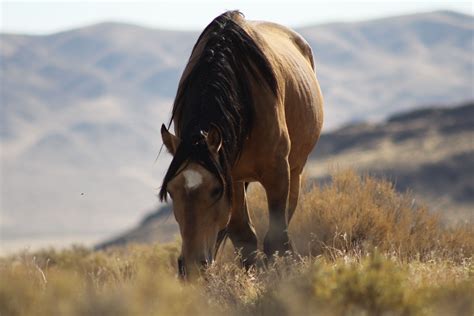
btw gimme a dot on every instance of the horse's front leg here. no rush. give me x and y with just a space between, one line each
240 228
276 183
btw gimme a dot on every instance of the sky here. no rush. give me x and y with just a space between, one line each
40 17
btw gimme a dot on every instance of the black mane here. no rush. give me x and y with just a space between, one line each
217 93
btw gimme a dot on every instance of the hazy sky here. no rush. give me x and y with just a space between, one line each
39 17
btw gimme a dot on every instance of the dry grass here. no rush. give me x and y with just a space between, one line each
364 250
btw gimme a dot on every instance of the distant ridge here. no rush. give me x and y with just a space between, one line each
460 113
158 226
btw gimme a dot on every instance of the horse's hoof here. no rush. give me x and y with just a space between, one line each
273 246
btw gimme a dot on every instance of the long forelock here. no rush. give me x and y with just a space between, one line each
198 153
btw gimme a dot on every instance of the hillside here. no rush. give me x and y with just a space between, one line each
429 152
80 109
157 226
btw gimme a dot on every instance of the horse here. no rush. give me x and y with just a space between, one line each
248 108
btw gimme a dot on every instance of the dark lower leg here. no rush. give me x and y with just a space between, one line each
276 186
240 227
295 184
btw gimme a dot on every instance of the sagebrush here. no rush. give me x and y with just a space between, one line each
363 249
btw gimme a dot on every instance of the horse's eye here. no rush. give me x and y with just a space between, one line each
215 192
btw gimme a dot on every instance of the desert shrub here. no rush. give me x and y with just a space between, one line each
358 214
363 249
138 280
346 285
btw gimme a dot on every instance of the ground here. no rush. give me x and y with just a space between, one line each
362 249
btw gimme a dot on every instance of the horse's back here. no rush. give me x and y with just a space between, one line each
293 62
272 32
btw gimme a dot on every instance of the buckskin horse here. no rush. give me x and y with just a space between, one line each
248 108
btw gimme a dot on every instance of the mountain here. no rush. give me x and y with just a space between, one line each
79 131
429 152
80 110
369 70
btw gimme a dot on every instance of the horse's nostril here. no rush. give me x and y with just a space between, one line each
204 263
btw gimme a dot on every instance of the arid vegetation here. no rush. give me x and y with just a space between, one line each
363 249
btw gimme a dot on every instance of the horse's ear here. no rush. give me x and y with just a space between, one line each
171 141
214 140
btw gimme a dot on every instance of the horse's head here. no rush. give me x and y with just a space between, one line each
201 202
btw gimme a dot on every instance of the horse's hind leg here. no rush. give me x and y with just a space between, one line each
295 184
240 227
276 184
